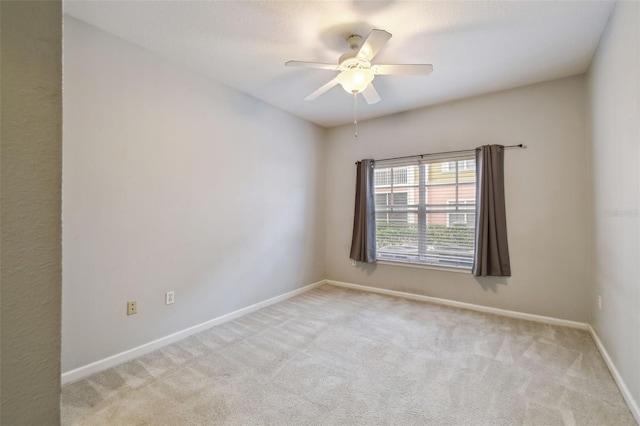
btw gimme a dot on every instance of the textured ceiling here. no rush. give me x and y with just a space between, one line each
476 47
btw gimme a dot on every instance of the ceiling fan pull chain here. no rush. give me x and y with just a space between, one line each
355 112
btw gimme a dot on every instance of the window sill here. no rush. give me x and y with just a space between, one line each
455 269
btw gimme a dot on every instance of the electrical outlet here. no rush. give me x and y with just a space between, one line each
132 307
168 298
599 302
353 262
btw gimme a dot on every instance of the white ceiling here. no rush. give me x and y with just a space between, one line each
476 47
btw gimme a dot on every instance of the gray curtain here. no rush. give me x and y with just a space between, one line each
363 242
491 257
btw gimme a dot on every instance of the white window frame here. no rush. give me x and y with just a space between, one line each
390 208
463 165
464 212
404 177
426 254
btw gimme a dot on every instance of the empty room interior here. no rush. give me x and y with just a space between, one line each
343 212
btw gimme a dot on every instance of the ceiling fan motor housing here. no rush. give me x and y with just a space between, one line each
354 41
350 60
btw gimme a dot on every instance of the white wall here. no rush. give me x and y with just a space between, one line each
546 195
31 170
614 136
175 182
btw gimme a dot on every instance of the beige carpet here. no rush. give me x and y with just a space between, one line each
338 357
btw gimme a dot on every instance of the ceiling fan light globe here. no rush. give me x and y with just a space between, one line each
355 80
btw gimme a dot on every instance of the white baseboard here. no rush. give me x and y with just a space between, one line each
463 305
624 390
103 364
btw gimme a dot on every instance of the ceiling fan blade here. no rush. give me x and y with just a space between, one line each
321 90
371 94
372 45
400 69
318 65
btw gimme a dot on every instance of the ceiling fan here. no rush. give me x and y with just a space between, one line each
356 70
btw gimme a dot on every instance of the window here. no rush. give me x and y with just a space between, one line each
450 167
392 207
398 175
465 216
425 211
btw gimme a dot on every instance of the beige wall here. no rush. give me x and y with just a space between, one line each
175 182
614 141
545 191
30 164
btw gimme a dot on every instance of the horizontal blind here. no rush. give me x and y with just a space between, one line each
425 210
426 158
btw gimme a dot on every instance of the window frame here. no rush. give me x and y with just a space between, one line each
446 167
447 257
465 212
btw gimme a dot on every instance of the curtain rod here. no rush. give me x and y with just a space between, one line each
447 152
